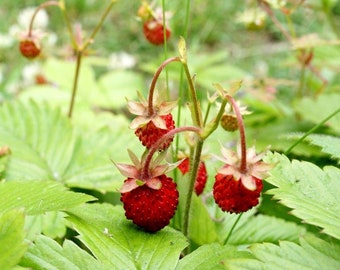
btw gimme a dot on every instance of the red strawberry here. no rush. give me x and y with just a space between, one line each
232 196
238 189
151 208
29 48
154 31
201 178
149 134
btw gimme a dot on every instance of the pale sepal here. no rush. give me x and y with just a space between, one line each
127 170
154 183
129 184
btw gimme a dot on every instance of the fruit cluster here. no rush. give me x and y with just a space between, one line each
150 197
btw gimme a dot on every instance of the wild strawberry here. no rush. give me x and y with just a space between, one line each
236 190
154 31
229 122
29 48
151 208
150 198
232 196
150 133
201 178
152 125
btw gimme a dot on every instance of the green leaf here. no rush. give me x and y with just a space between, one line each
40 139
317 110
12 235
312 253
329 144
201 227
311 192
48 254
45 145
211 256
38 197
118 243
261 228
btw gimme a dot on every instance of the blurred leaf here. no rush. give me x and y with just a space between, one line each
312 253
312 193
45 253
118 85
329 144
317 110
118 243
38 197
12 235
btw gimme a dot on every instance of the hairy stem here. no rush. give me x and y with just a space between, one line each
146 171
154 81
42 6
243 167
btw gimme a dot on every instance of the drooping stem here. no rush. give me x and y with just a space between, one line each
243 167
146 172
75 83
154 81
42 6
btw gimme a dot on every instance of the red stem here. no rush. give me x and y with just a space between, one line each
243 167
145 172
154 81
43 5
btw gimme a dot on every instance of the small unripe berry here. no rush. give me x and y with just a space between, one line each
229 122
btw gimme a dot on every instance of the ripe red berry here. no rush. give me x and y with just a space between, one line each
29 48
154 31
150 208
201 178
232 196
149 134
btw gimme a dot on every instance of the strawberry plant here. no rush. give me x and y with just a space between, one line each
188 161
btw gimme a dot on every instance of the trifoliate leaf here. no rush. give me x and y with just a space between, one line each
12 245
120 244
45 253
311 192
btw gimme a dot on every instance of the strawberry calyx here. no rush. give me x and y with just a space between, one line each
255 168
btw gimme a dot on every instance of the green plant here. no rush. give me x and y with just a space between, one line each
60 194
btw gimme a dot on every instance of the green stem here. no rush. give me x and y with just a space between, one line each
68 24
232 229
311 131
154 81
99 25
165 46
193 174
328 13
75 82
302 80
214 124
197 117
